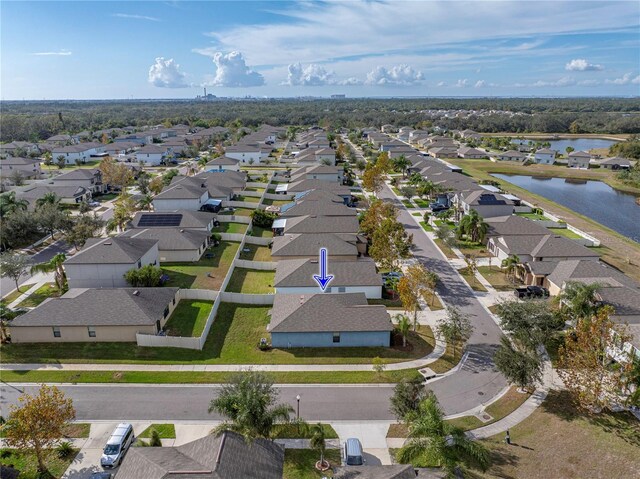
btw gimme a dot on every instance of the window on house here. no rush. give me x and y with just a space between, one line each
92 331
139 264
174 301
342 289
166 312
328 289
336 337
56 332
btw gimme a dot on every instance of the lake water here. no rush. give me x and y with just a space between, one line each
593 199
578 144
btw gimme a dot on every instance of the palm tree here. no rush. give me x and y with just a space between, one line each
54 265
403 323
401 163
248 402
434 442
318 443
48 199
9 203
580 299
473 226
146 202
510 266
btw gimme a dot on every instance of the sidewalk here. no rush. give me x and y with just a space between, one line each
40 280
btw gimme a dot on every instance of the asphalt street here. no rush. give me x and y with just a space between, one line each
190 402
478 380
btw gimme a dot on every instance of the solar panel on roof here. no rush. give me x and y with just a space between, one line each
158 220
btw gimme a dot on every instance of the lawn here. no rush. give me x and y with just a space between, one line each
251 281
238 228
566 232
469 248
189 318
233 339
77 430
11 297
446 250
48 290
421 203
292 431
253 188
497 278
407 203
106 197
166 431
208 273
268 202
416 213
254 252
27 463
471 280
248 199
426 226
534 216
238 212
300 463
558 441
261 232
448 360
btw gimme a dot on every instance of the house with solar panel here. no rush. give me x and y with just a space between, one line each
103 262
175 245
184 219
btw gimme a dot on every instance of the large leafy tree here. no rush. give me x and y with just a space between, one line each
530 321
390 243
407 396
414 286
14 265
115 174
123 212
455 327
434 442
372 178
50 218
37 422
82 228
249 405
54 265
520 365
585 365
9 203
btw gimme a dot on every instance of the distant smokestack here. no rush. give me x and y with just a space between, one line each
205 92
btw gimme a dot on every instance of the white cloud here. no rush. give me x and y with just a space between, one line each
588 83
61 53
397 75
311 75
562 82
441 84
350 81
480 84
166 74
136 17
624 80
581 65
462 83
232 71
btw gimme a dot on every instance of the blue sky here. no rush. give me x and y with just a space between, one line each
147 49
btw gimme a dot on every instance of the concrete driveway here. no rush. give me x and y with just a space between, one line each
372 436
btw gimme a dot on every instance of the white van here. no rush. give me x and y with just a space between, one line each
117 445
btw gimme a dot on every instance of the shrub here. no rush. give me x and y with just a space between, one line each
64 450
262 218
147 276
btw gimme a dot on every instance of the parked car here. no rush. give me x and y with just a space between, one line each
437 207
352 452
101 475
94 203
392 275
531 292
117 445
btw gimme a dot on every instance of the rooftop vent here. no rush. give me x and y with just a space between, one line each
136 293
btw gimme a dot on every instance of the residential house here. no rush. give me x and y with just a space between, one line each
313 224
27 168
17 148
306 185
246 154
319 142
223 185
578 159
223 163
548 247
395 471
340 246
117 149
89 178
513 225
333 174
295 276
96 315
178 145
511 155
388 129
585 271
487 204
471 153
75 153
615 163
545 156
183 219
61 140
175 244
444 152
215 456
184 193
316 202
470 135
328 320
68 195
154 154
103 262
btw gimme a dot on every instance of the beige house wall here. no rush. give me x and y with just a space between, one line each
68 334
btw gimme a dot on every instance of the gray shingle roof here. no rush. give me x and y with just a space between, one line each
310 244
396 471
484 198
546 246
226 456
301 313
100 307
305 185
322 224
182 188
170 238
32 193
588 271
188 219
116 250
78 174
222 160
317 207
299 272
514 225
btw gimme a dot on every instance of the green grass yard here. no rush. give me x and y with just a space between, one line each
533 216
248 199
208 273
268 202
15 294
188 318
446 250
238 212
496 277
46 291
238 228
426 226
261 232
300 463
292 431
471 280
166 431
255 252
567 233
27 464
251 281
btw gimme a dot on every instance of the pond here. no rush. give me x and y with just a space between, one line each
578 144
593 199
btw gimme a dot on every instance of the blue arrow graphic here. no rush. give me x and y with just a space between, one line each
323 278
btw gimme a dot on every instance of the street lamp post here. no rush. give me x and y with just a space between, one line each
298 412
